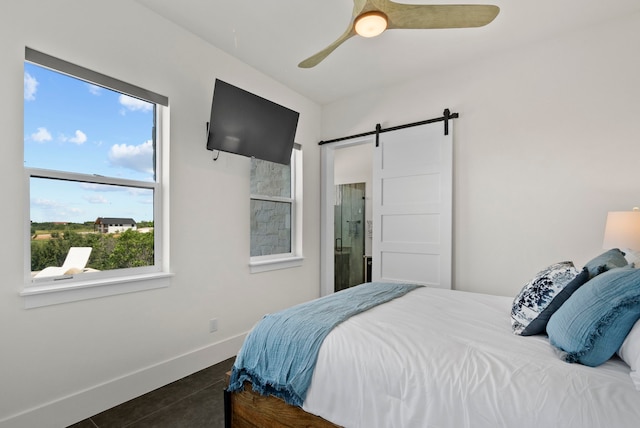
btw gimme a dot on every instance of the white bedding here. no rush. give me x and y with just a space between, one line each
442 358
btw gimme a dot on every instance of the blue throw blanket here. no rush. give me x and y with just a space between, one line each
280 353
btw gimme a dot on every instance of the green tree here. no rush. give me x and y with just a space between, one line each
129 249
132 249
48 253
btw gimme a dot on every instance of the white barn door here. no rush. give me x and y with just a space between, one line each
412 206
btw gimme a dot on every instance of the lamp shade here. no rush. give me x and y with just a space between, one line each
622 230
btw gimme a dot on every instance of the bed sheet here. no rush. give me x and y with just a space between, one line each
443 358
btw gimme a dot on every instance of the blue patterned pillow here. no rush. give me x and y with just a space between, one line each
608 260
591 325
543 295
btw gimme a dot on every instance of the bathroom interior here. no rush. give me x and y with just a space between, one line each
353 225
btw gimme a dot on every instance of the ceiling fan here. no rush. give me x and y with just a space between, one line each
371 17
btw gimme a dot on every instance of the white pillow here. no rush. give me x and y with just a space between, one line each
632 257
630 353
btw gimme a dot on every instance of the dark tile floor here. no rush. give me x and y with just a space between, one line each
191 402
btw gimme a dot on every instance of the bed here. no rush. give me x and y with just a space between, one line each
443 358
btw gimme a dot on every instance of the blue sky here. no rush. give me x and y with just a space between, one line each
71 125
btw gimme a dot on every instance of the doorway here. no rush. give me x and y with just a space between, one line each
349 235
345 163
409 236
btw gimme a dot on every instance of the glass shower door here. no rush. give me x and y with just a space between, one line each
349 222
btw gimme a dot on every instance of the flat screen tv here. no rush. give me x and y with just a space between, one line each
248 125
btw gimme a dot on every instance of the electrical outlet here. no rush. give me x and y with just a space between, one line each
213 325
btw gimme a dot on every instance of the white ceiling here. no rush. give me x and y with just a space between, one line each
273 36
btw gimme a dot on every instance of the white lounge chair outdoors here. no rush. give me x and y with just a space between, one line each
76 260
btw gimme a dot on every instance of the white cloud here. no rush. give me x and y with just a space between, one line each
96 199
136 192
134 104
142 196
51 210
80 137
137 158
41 136
94 187
45 203
94 89
30 87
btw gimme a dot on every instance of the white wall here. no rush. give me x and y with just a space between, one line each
62 363
547 142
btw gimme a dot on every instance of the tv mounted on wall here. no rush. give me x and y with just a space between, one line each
248 125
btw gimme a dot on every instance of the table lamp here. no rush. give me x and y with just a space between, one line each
622 231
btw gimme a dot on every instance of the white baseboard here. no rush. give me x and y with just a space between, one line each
70 409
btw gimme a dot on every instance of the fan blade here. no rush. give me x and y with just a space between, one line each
314 60
415 16
359 6
412 16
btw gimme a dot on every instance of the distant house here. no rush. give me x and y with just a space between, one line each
114 224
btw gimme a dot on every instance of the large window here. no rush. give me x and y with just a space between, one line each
92 150
275 203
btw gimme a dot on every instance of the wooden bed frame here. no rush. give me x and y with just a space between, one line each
248 409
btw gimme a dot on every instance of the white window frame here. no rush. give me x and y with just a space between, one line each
68 288
294 258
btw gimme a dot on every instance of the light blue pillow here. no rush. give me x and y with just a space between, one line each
592 324
608 260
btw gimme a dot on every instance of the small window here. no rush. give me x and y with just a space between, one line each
275 203
92 146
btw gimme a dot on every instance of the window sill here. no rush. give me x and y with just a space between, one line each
46 295
275 264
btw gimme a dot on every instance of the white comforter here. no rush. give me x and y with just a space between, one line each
441 358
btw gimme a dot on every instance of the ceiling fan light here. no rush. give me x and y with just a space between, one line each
371 24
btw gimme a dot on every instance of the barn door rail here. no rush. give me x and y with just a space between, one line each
446 115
